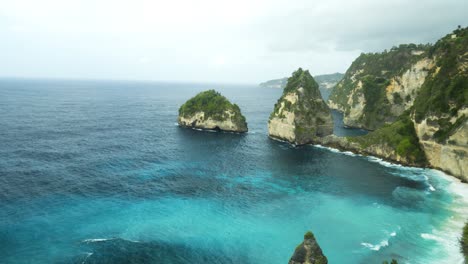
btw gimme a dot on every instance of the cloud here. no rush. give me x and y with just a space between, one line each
363 25
190 40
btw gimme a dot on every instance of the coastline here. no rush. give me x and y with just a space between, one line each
342 144
336 144
211 130
450 232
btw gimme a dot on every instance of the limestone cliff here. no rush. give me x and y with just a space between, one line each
211 111
308 252
425 84
452 154
300 115
440 111
378 87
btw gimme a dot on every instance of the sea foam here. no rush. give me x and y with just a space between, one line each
377 247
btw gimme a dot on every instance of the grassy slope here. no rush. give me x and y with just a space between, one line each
400 136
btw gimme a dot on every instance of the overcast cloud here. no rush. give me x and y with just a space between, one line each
208 40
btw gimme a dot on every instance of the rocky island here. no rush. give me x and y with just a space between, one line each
308 252
209 110
300 115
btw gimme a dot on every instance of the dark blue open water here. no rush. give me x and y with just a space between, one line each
98 172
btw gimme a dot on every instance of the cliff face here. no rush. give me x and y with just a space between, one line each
450 156
308 252
300 114
440 111
211 111
415 97
378 87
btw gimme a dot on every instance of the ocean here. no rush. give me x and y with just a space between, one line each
99 172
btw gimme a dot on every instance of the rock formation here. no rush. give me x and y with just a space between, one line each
209 110
308 252
379 87
440 110
426 84
300 115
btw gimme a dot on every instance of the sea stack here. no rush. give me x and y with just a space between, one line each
209 110
300 115
308 252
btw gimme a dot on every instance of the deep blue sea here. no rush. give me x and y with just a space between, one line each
99 172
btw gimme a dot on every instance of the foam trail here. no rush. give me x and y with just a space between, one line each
88 255
92 240
383 243
334 150
431 237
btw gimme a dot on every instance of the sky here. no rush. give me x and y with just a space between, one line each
241 41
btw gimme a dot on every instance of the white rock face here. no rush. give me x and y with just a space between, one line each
198 121
452 156
282 124
357 107
335 106
407 85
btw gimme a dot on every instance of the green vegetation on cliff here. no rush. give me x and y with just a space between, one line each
299 79
445 90
399 136
464 242
308 251
302 79
378 66
214 105
377 106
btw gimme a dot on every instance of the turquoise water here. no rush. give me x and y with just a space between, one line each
98 172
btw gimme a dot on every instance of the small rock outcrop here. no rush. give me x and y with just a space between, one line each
308 252
209 110
300 115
